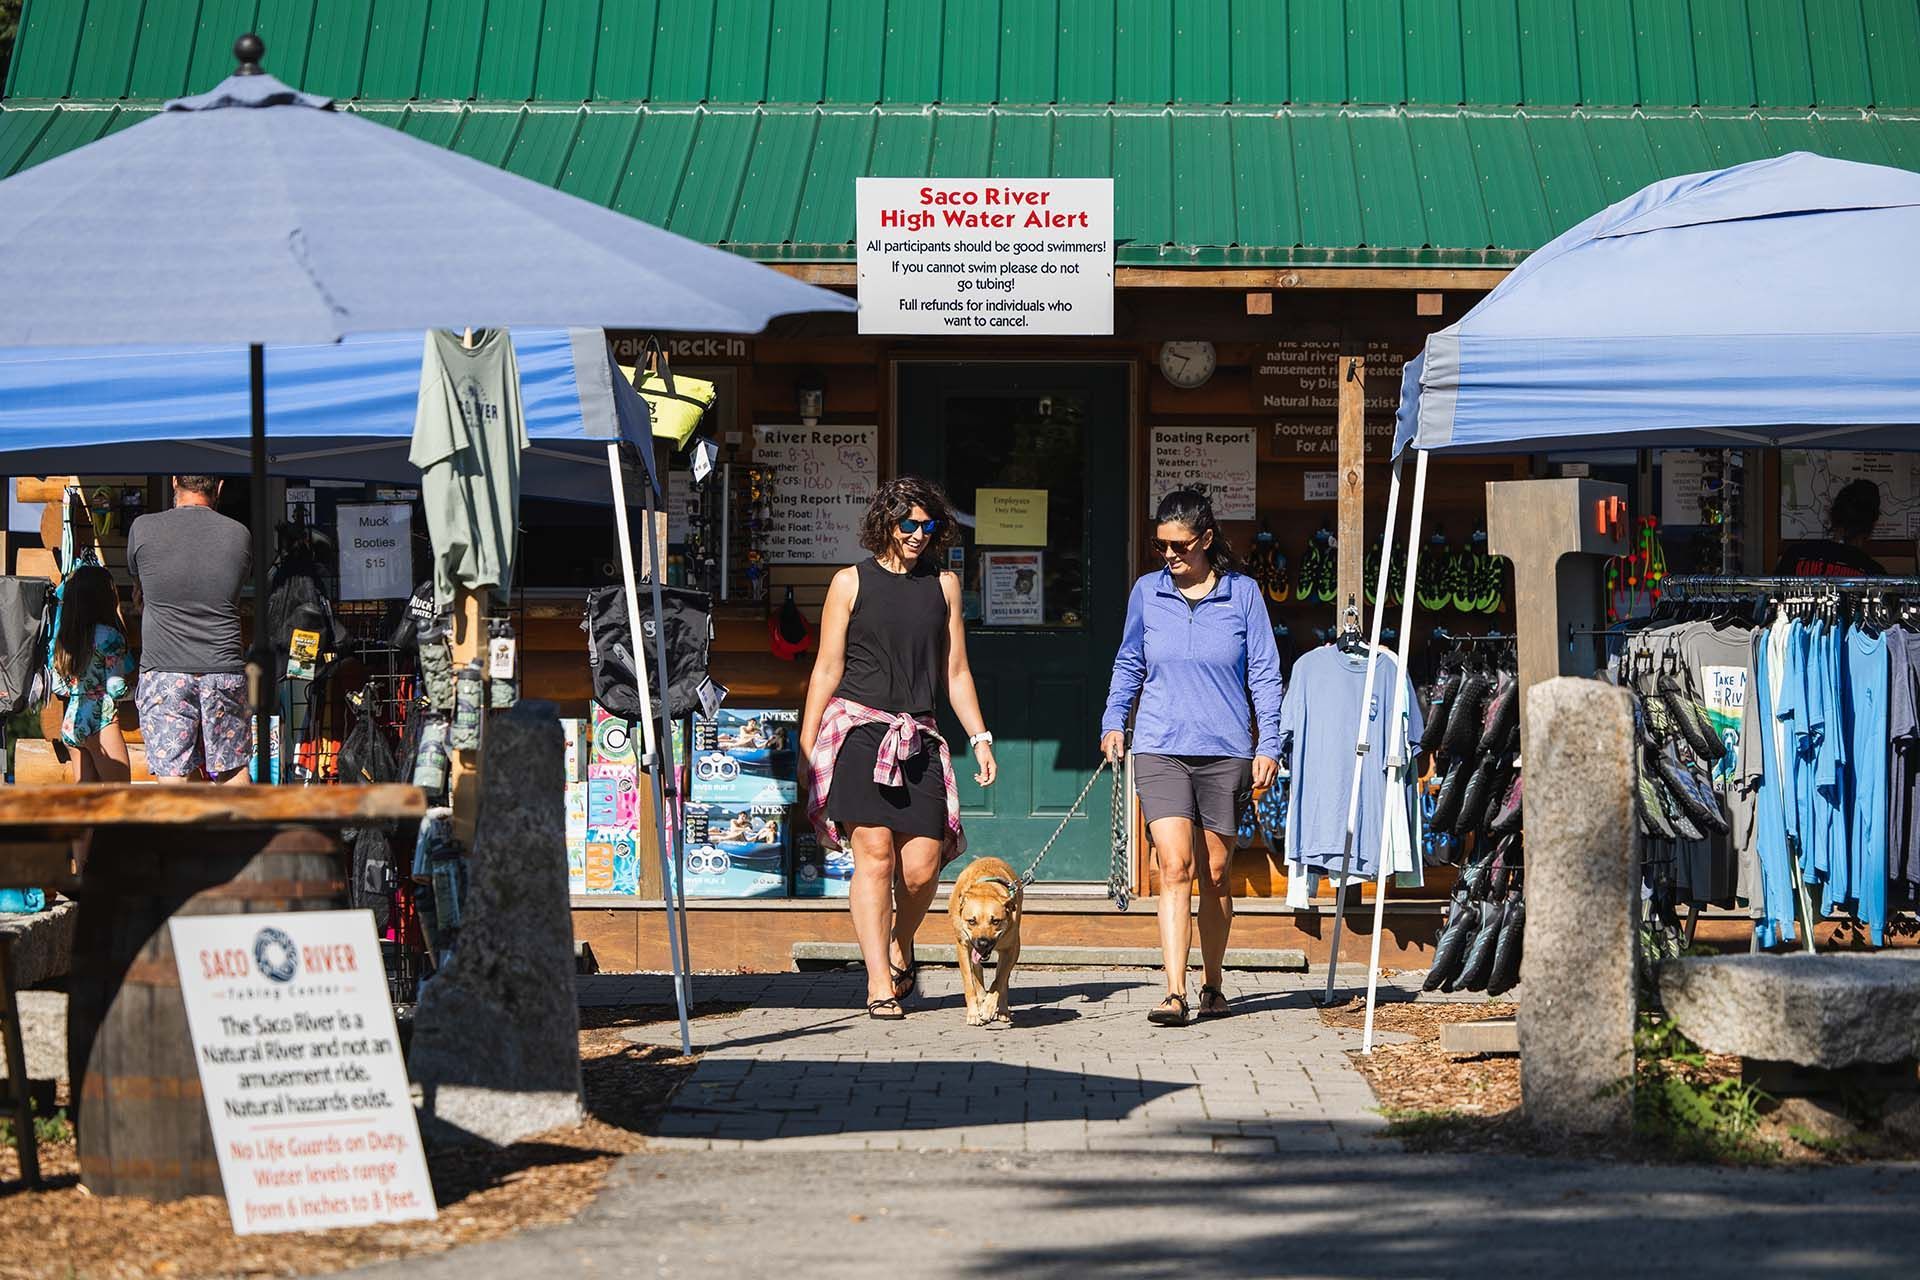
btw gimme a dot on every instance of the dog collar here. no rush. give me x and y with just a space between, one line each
1012 888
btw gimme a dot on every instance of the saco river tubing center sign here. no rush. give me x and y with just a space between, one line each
300 1066
989 257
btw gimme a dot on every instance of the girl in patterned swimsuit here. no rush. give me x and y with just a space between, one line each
92 669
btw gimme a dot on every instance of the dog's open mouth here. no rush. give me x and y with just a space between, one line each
983 949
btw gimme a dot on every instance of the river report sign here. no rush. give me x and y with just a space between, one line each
300 1066
979 256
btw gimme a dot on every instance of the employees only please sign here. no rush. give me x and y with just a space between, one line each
972 255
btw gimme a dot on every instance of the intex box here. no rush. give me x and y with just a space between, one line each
736 851
612 863
817 873
614 741
746 756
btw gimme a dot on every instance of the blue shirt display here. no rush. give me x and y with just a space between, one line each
1865 699
1322 712
1205 672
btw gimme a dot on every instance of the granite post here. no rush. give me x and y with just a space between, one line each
1582 867
496 1039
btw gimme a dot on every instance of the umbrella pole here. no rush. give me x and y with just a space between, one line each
1399 761
260 656
656 571
1363 747
653 761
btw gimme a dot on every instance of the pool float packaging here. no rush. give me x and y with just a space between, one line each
746 756
736 851
817 873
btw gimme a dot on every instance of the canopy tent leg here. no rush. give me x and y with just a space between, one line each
1399 760
1363 746
260 662
656 571
652 760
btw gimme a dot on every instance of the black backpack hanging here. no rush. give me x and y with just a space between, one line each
688 618
26 626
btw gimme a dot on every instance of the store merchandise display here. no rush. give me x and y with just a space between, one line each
818 873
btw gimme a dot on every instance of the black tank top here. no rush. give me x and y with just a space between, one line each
896 640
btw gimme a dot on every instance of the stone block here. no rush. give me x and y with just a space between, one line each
1576 1025
1813 1010
496 1040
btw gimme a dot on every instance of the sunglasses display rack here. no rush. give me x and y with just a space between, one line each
729 519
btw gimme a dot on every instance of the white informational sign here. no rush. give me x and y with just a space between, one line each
823 479
974 255
1683 480
300 1067
1810 479
1218 461
1321 486
1013 588
376 551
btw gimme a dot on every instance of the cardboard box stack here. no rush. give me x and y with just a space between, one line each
742 803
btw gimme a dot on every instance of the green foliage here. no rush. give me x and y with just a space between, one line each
1682 1110
9 28
46 1129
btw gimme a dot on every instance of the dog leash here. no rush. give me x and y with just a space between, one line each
1119 873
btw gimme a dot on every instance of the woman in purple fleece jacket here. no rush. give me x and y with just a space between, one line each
1199 656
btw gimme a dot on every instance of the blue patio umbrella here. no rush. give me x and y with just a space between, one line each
258 214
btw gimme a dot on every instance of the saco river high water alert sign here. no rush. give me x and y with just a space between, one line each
988 257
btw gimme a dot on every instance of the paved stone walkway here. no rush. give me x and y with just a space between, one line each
1080 1069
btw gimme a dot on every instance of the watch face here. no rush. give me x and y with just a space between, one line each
1186 364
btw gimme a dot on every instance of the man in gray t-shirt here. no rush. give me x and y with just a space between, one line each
190 563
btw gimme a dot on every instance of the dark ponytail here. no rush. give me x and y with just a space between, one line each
1194 510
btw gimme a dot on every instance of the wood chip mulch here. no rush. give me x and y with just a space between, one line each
484 1193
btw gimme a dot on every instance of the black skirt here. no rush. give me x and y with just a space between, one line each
916 808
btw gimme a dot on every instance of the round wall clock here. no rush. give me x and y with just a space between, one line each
1187 364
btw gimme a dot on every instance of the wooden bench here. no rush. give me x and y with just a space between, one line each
156 852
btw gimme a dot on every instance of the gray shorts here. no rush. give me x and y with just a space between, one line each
1210 790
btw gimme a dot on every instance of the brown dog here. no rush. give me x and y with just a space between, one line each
985 910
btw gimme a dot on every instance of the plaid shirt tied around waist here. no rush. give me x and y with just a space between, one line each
906 737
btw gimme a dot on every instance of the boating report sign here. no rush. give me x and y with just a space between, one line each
300 1067
985 256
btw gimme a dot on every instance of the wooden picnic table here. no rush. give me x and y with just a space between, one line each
156 852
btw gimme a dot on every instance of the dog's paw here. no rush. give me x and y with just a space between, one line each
975 1018
1000 1017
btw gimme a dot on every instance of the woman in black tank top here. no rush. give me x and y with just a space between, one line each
891 639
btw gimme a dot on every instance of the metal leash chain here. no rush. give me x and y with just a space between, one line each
1119 883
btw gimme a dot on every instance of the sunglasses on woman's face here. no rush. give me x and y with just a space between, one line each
1178 548
909 526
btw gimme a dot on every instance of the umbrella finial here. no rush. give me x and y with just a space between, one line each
249 49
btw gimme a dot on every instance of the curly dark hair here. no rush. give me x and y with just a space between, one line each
897 498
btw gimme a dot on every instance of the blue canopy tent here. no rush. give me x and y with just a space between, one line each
336 411
1773 303
255 213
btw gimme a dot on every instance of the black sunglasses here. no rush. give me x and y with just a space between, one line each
908 525
1163 546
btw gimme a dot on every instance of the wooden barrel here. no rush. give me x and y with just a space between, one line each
141 1121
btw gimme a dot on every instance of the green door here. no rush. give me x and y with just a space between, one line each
1044 613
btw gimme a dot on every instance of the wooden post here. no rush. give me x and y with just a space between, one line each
1352 518
463 779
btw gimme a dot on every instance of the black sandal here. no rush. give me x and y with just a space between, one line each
887 1010
905 980
1170 1012
1214 993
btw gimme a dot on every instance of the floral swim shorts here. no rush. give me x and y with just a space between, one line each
194 722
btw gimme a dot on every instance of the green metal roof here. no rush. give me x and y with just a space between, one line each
1300 186
1238 132
1255 53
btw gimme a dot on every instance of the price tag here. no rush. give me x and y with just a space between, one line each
303 656
500 652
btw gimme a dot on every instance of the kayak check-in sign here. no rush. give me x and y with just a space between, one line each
990 257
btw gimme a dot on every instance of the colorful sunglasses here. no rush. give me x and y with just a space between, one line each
908 525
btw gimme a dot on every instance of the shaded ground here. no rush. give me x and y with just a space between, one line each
484 1194
1138 1216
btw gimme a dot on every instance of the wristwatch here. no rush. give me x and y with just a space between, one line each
980 737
